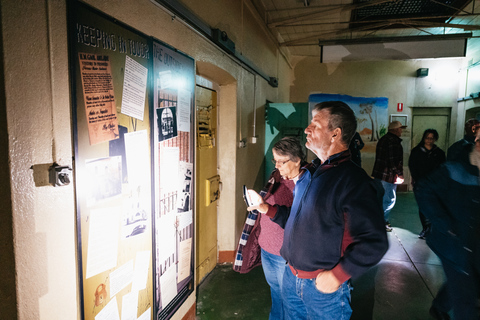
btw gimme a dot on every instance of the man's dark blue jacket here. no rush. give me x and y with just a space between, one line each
336 220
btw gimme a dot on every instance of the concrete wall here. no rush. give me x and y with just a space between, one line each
40 241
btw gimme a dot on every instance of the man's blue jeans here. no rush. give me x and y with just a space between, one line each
303 301
389 198
274 267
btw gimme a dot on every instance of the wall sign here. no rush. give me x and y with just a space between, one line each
399 107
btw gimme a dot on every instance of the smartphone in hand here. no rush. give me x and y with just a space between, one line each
246 197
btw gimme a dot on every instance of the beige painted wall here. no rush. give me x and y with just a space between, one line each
37 107
395 80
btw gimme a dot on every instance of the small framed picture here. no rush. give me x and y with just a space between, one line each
403 118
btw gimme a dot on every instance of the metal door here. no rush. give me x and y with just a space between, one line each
437 122
207 182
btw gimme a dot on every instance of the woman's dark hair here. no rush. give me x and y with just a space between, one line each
341 116
427 132
290 147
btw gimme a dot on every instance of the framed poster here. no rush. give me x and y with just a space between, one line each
111 67
173 147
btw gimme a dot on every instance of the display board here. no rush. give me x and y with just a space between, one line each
132 146
173 91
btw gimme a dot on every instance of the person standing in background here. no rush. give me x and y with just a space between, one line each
450 199
388 167
472 126
355 146
266 237
425 158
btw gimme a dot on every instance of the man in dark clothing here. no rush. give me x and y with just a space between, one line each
472 126
450 199
388 167
334 229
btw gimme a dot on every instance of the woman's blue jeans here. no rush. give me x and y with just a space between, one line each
274 267
303 301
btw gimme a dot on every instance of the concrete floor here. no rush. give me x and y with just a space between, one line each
401 286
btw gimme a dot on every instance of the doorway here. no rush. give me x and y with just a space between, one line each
207 181
472 113
431 118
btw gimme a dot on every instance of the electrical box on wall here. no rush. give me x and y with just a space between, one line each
59 175
422 72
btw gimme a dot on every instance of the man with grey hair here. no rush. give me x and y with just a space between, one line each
334 229
450 199
388 167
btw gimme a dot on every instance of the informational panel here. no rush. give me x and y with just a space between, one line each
133 133
173 147
111 65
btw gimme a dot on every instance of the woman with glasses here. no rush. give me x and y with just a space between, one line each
288 158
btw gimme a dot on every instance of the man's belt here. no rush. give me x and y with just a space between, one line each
305 274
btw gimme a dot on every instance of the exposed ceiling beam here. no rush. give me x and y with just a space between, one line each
393 39
470 27
373 21
316 36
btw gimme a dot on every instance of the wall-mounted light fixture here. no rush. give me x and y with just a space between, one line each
422 72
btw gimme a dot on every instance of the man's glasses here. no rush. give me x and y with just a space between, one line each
280 163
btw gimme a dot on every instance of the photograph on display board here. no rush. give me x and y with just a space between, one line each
185 175
104 178
167 122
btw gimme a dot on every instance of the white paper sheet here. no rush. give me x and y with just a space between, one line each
137 145
129 306
168 285
137 203
169 169
183 111
121 277
184 219
184 259
140 275
110 312
166 237
147 315
102 240
185 186
134 87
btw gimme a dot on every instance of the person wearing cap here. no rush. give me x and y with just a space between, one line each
334 229
472 126
388 167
